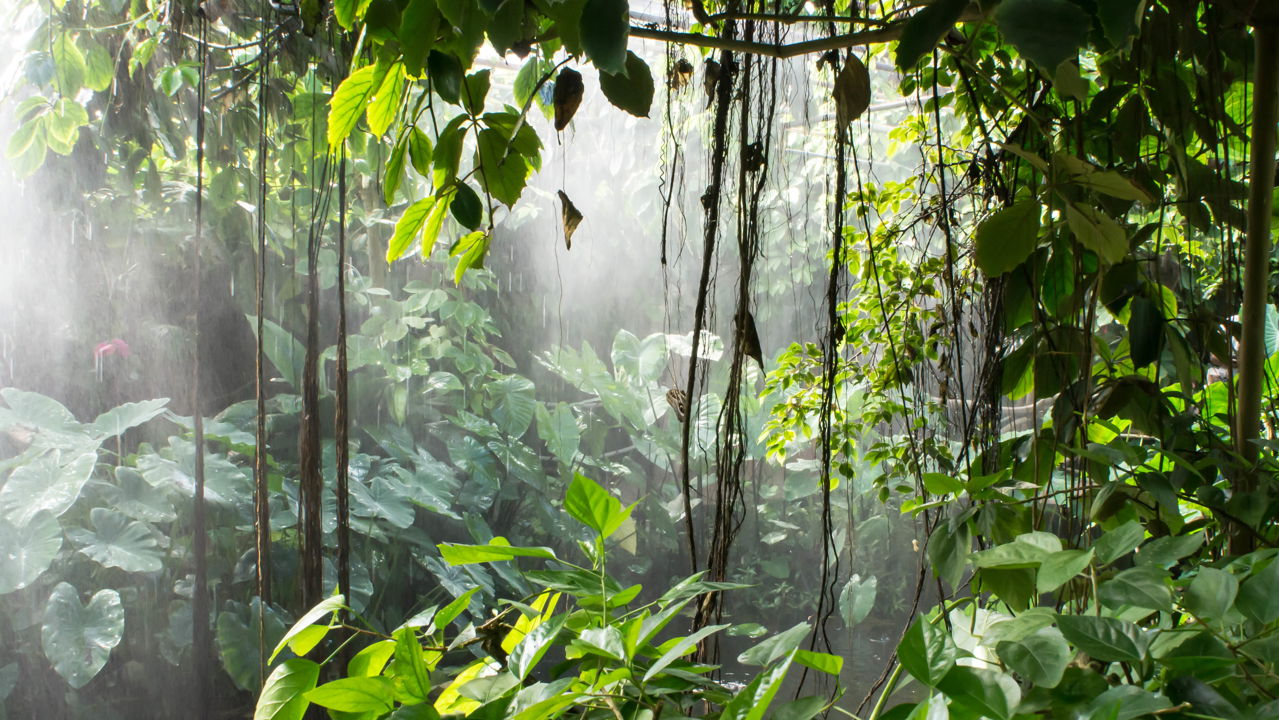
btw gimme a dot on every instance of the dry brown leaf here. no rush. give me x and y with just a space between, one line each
852 91
572 218
568 95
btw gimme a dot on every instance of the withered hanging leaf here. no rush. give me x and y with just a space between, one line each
750 341
568 95
852 91
572 218
681 74
710 78
678 400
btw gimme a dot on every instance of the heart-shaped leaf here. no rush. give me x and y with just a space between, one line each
78 638
25 552
117 542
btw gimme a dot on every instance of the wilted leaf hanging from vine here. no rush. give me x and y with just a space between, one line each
852 91
568 95
572 218
709 78
750 341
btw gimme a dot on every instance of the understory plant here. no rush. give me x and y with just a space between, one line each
582 645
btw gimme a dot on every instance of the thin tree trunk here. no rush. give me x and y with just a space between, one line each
1256 278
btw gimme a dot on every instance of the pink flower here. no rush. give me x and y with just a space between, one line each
114 346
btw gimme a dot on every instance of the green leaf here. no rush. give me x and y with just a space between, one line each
371 660
116 541
45 485
394 172
1105 638
384 103
419 25
631 90
475 90
69 65
1142 587
1016 554
327 606
526 81
409 227
507 27
448 152
466 207
925 28
1004 240
445 73
605 27
1119 542
606 641
349 102
1040 657
471 249
497 549
926 652
27 551
1165 551
129 415
681 648
1259 594
447 614
1096 231
99 68
560 431
753 700
1061 567
513 403
412 676
857 599
534 646
283 694
1045 31
503 171
776 646
820 661
1211 594
986 693
1145 331
594 507
78 638
1128 702
1120 19
420 151
355 694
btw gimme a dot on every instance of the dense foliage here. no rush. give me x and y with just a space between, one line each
1031 378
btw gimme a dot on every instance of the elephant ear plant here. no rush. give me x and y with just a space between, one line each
581 646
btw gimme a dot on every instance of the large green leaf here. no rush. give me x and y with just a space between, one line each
51 483
1259 594
77 638
34 410
632 90
504 171
1142 587
412 676
1119 542
69 64
470 251
119 542
1046 31
384 101
129 415
985 693
1061 567
284 693
1096 231
326 607
752 701
512 403
1211 594
27 551
1105 638
534 646
238 643
383 498
355 695
605 26
1145 331
409 227
1004 240
560 431
350 100
134 496
776 646
1040 657
595 507
926 652
679 649
925 28
496 550
857 599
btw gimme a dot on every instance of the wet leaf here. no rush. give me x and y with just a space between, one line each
77 638
27 551
115 541
631 90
